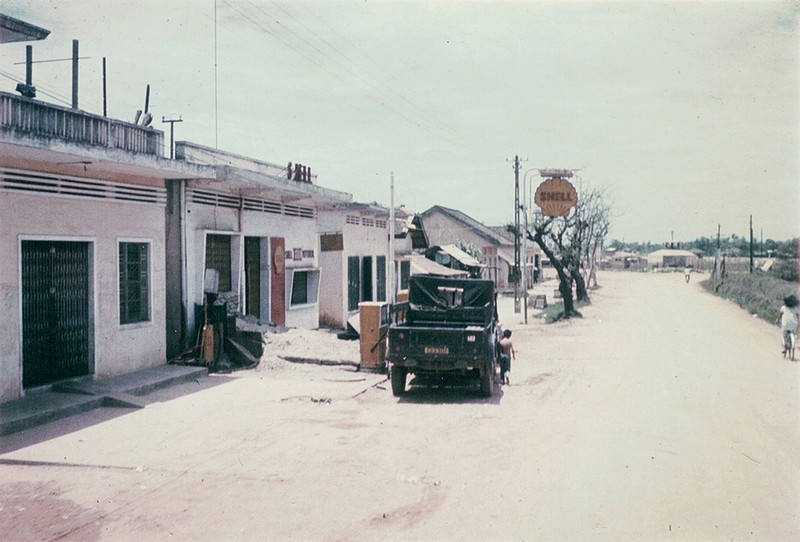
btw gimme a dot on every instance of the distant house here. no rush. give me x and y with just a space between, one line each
444 226
670 257
620 259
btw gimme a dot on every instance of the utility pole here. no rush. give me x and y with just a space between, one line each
29 65
171 122
392 279
751 244
74 74
515 274
718 259
105 94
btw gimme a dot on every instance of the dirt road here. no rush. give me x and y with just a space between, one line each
663 414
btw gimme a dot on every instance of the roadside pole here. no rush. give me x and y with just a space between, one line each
392 285
524 255
516 272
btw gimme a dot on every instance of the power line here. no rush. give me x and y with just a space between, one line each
375 66
312 52
367 73
52 94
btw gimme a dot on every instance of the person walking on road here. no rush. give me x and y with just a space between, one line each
687 273
790 319
506 355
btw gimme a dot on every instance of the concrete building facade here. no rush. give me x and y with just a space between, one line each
354 258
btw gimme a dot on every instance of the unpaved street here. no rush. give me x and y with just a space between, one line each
663 414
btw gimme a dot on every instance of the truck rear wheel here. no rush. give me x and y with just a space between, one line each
398 376
486 381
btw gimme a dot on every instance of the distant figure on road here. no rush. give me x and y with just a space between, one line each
687 272
506 355
790 319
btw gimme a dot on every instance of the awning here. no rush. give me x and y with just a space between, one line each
458 254
420 265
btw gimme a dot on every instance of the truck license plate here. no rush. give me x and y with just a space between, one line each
437 350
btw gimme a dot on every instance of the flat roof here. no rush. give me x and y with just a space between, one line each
12 30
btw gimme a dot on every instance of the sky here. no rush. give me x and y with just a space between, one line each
686 113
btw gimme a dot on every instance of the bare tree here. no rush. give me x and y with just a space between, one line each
592 222
548 233
572 243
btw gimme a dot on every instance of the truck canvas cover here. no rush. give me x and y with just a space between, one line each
436 299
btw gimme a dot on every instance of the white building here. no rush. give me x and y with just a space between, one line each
354 258
82 206
257 229
106 243
671 257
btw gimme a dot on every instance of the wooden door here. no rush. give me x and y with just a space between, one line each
278 280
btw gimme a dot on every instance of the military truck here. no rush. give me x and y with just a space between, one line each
448 327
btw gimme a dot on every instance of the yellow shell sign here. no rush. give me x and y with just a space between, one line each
556 197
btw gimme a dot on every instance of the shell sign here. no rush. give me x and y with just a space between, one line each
556 196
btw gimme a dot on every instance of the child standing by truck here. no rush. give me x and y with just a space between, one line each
506 355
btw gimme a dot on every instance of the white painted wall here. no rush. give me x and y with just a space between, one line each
118 349
333 288
363 240
298 232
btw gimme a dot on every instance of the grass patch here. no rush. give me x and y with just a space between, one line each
758 293
555 311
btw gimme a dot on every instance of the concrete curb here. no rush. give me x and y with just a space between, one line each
69 398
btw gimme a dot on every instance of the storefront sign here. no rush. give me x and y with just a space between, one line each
556 196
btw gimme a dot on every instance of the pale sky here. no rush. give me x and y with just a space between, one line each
687 111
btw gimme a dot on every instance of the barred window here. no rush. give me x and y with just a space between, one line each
134 283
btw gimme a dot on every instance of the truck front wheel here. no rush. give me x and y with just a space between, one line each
398 375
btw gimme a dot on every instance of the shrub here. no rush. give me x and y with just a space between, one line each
758 293
785 270
555 311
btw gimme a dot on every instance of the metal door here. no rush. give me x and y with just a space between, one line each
380 278
353 283
252 274
366 278
55 311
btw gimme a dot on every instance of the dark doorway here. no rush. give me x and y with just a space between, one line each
252 275
380 277
353 283
55 311
366 278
